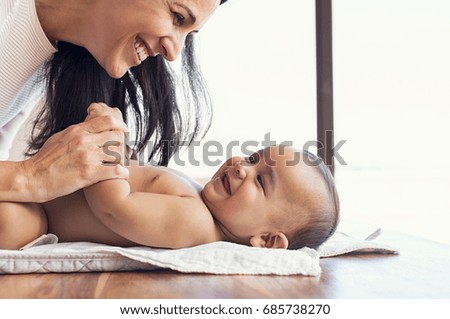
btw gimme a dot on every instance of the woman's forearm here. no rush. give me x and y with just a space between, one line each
68 161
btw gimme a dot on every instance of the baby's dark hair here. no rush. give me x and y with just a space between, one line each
322 220
223 1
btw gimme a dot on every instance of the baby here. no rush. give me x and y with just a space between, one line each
276 198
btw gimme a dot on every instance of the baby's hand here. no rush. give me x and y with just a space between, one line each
116 144
101 109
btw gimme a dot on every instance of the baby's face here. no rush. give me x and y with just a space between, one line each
247 195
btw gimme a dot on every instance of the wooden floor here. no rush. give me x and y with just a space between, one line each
421 270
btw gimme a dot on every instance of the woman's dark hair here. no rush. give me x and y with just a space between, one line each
146 95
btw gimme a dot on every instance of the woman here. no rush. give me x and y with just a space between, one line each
110 51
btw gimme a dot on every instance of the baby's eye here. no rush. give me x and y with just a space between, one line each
178 19
252 159
260 181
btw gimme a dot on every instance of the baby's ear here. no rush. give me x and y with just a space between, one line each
275 240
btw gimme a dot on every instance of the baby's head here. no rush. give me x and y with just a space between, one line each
278 197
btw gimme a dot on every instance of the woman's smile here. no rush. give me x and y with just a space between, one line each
142 50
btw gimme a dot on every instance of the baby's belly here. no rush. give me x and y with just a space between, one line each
71 219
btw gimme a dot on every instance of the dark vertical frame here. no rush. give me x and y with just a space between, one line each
324 61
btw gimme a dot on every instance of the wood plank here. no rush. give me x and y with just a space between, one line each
34 286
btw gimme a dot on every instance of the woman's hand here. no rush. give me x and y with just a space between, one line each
79 156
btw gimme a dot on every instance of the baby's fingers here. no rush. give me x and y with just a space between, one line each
101 109
104 123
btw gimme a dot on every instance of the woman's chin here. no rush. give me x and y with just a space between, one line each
117 70
117 74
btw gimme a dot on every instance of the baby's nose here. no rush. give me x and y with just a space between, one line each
239 169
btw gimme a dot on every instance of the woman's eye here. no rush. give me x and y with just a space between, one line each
260 181
178 19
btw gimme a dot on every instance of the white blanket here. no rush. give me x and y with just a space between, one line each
46 255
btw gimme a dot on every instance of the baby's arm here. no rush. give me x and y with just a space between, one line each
150 219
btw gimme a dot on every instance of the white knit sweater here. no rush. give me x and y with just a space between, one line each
24 47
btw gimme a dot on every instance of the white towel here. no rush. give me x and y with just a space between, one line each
341 243
46 255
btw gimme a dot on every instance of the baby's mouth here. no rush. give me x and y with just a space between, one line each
226 183
141 49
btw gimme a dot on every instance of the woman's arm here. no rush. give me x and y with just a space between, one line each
68 161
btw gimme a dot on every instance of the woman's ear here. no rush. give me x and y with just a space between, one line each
275 240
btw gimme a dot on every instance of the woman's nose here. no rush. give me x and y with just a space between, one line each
173 46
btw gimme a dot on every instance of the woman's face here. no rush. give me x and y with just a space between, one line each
129 31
